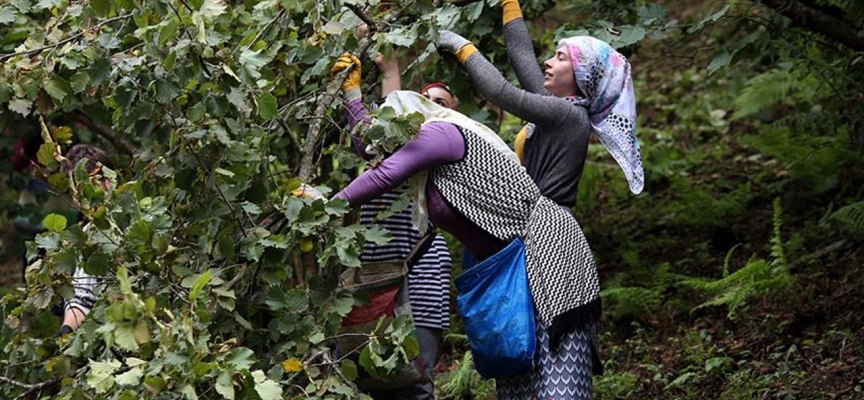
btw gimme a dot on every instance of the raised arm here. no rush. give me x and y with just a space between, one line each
520 51
436 143
531 107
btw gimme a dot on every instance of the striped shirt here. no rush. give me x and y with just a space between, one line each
429 278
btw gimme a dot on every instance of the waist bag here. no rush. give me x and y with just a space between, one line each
387 286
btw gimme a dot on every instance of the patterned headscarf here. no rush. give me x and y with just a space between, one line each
603 78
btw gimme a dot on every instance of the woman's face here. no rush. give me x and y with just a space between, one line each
560 80
441 97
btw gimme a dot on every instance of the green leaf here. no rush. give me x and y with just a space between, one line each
101 377
54 222
131 377
293 206
101 7
266 388
79 81
168 31
197 112
213 8
21 106
242 358
349 369
189 391
225 385
7 15
630 35
377 235
99 70
201 281
124 336
337 207
46 154
57 87
267 106
721 60
252 61
97 264
166 91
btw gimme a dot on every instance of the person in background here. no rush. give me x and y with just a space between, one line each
429 277
85 285
467 181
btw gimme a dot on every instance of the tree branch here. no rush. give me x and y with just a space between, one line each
817 21
64 41
462 3
105 131
363 17
30 388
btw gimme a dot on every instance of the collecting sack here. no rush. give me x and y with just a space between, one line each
387 286
498 312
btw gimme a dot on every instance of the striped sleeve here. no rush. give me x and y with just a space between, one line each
429 278
85 286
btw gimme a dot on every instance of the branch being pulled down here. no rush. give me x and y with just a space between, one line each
314 136
818 21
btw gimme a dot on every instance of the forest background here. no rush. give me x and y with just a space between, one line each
735 275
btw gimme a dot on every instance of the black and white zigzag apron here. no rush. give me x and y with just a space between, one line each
496 194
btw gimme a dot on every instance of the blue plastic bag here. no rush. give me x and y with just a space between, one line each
498 311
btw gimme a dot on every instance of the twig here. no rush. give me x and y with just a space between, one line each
266 28
462 3
26 385
221 194
289 133
64 41
105 131
363 17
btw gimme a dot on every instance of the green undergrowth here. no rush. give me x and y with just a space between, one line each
736 274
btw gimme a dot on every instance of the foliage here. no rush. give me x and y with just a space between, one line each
222 284
462 381
758 278
851 218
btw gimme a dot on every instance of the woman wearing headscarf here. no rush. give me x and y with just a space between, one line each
586 89
468 182
429 277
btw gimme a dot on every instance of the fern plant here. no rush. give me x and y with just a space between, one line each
851 218
759 278
622 301
464 382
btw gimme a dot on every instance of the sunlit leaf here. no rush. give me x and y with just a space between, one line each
100 377
292 365
54 222
266 388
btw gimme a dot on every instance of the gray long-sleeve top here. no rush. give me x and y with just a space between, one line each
554 155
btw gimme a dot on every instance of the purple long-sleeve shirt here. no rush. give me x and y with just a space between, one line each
436 143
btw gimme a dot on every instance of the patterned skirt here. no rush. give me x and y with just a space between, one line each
561 375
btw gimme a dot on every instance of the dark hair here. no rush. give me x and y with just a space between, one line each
441 85
92 154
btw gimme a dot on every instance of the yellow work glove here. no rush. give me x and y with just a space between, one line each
351 86
307 191
456 44
511 10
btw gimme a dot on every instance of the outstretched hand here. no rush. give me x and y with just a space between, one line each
351 85
451 41
456 44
